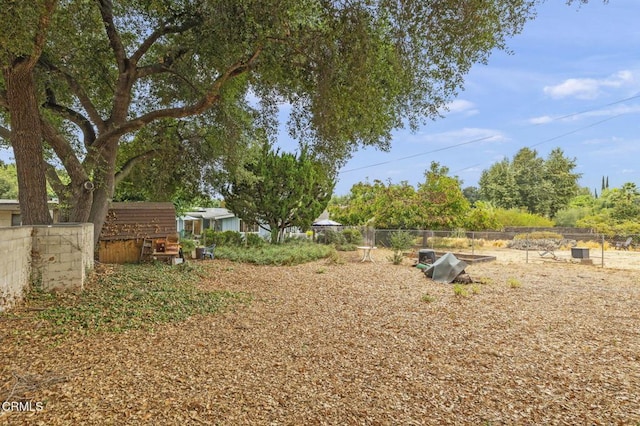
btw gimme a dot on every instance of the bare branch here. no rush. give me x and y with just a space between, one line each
74 116
79 92
164 66
131 163
64 151
5 133
53 179
106 10
153 37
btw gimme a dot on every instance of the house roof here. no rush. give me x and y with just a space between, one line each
14 205
9 205
215 213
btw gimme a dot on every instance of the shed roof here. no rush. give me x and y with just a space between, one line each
137 220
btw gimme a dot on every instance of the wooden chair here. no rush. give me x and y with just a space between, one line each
624 245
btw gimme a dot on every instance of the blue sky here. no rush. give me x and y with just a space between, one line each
567 84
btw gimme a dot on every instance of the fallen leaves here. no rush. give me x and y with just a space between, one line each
354 345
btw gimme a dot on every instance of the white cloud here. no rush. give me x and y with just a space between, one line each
459 106
544 119
591 88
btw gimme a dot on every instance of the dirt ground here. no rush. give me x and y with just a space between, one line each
548 342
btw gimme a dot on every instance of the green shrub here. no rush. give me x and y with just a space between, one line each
346 247
514 282
427 298
330 236
514 217
352 236
290 253
460 290
208 237
400 241
254 240
569 217
187 245
224 238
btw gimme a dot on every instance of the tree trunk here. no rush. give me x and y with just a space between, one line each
104 181
26 140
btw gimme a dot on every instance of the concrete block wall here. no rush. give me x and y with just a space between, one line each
62 255
56 258
15 252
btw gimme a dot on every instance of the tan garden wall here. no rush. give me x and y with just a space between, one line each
15 252
56 258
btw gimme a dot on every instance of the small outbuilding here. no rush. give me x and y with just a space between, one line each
128 225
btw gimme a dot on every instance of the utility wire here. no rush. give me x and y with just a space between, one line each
493 136
420 154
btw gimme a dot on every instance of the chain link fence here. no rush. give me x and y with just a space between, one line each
527 244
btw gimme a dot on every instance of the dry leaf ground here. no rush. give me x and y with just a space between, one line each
538 343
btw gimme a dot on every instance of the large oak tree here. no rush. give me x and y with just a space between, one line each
81 77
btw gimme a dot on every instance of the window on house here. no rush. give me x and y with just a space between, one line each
192 227
16 219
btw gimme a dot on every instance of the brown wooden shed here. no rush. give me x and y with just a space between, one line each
128 224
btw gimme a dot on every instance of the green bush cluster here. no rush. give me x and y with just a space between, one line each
289 253
221 238
515 217
255 240
188 245
352 236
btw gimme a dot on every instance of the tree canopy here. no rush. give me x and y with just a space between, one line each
437 203
85 76
279 190
530 182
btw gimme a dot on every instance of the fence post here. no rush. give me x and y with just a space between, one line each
473 242
602 250
526 245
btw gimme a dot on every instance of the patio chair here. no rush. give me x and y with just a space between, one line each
624 245
209 252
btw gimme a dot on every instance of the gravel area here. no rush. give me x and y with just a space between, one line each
543 342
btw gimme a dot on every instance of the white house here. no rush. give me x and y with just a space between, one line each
192 223
216 218
10 212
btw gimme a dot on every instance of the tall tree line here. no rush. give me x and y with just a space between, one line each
537 185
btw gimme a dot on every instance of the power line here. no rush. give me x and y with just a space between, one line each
419 154
493 136
577 130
